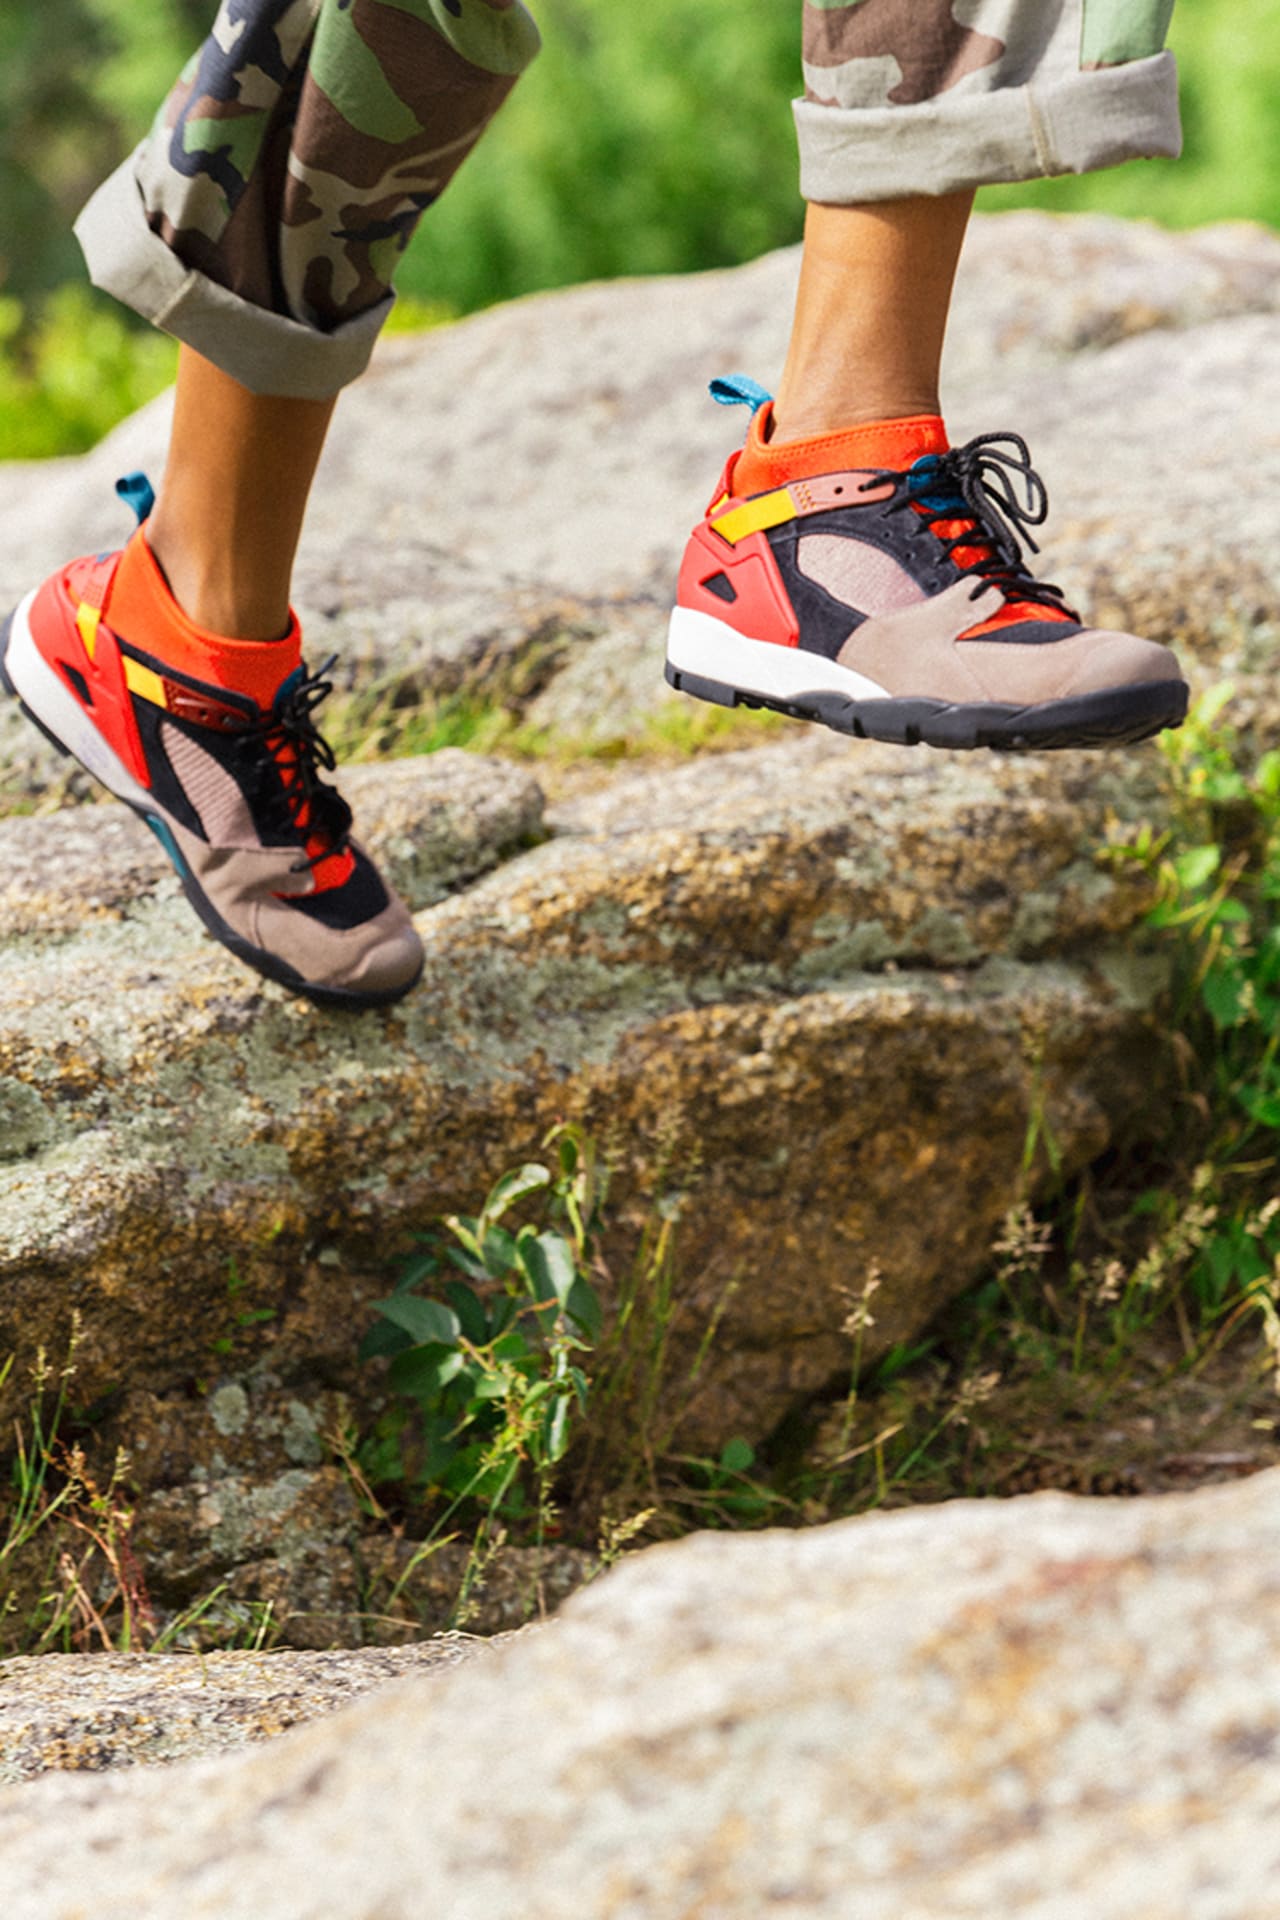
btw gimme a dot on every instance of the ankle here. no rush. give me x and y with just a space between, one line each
215 593
800 414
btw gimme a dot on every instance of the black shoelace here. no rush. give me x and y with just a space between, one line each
290 735
976 484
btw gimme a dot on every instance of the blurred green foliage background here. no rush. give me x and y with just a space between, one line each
647 139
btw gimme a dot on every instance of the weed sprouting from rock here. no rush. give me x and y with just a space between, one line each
484 1336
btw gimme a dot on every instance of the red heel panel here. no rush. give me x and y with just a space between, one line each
83 652
739 586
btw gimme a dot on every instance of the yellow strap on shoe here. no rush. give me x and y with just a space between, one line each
87 619
142 681
754 516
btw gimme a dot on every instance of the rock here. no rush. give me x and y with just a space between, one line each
93 1713
1044 1707
820 993
282 1550
813 997
515 1586
532 563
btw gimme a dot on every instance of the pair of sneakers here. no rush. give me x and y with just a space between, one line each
884 594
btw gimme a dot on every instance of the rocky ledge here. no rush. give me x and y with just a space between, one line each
1044 1707
90 1713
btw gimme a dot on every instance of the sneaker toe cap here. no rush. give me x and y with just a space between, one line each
1121 660
390 966
376 959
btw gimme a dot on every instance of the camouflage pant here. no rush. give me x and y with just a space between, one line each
263 218
924 96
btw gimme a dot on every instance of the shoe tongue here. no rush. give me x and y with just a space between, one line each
932 490
286 687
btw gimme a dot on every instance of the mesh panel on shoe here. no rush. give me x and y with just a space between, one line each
224 812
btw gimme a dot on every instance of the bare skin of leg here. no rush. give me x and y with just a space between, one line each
871 315
225 529
875 293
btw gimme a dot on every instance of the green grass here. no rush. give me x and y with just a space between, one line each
70 1579
73 373
372 726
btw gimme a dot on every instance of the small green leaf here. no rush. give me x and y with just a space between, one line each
499 1252
501 1314
422 1320
467 1263
1197 866
581 1386
490 1386
383 1340
561 1269
557 1440
514 1186
472 1319
737 1455
1221 996
567 1148
547 1262
423 1372
466 1231
583 1308
1261 1106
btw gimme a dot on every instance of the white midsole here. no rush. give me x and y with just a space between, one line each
699 643
40 687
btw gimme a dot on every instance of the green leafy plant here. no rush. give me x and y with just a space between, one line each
1216 873
484 1335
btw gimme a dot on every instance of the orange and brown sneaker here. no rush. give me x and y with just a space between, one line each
213 742
873 580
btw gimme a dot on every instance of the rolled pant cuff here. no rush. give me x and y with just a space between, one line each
1089 120
264 351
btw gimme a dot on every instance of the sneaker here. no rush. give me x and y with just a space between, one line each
214 744
890 599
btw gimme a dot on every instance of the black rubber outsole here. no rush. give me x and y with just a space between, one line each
1118 717
261 961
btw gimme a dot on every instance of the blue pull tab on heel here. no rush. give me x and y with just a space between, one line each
136 489
738 390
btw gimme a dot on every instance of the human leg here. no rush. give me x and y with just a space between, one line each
871 312
853 567
231 570
261 223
